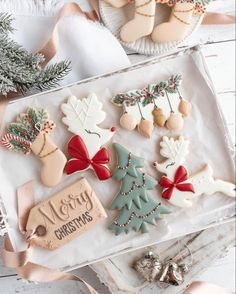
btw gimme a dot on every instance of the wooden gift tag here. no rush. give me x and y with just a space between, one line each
64 216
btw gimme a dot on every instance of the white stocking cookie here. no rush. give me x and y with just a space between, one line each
178 187
30 133
177 26
143 22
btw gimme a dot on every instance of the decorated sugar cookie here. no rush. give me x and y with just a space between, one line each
30 133
157 104
82 118
143 20
82 161
64 216
137 208
178 187
177 27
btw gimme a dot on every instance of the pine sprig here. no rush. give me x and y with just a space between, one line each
51 75
5 23
22 133
21 71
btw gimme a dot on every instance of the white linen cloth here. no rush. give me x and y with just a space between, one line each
92 49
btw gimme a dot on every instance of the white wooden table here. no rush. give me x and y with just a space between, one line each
219 253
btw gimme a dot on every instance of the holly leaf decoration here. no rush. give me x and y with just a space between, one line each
203 2
129 99
119 99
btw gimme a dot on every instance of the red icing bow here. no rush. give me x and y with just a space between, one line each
181 175
81 160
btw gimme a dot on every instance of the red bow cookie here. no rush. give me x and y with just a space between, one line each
82 161
181 176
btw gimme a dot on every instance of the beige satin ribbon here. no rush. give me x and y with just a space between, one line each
20 260
3 105
206 288
212 18
50 49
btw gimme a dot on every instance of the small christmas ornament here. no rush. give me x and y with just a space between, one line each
82 161
137 208
30 133
185 107
175 122
178 187
128 122
145 128
149 267
159 117
170 272
82 118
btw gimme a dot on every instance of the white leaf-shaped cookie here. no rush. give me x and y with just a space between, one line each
82 114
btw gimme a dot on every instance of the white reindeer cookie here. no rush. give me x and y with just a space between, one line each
178 187
82 118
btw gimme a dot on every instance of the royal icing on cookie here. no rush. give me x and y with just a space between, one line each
179 188
137 208
82 161
30 133
82 118
157 104
143 20
178 24
65 216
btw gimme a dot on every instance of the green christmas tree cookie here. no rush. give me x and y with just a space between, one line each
137 207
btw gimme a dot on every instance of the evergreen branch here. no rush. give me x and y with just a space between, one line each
21 71
6 85
51 75
5 23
